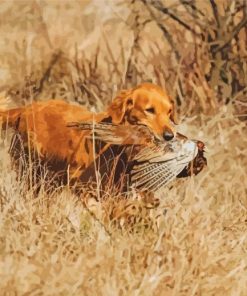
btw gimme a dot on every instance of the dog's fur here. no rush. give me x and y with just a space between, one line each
43 126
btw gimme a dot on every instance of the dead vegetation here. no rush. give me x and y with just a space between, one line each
189 240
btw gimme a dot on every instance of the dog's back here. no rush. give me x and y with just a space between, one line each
42 128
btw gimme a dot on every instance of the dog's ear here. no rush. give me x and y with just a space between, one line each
119 106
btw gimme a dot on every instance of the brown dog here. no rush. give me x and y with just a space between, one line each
42 126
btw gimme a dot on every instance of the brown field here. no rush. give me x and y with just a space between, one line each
195 241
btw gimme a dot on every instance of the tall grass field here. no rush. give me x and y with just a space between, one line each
191 238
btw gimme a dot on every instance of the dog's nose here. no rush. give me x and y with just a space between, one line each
168 135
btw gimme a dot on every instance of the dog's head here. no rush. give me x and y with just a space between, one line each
147 104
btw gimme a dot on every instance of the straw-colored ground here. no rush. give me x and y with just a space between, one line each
193 243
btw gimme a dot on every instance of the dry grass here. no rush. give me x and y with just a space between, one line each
193 243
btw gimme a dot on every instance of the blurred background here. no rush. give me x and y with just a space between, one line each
85 51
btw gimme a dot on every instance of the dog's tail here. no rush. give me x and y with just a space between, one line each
8 114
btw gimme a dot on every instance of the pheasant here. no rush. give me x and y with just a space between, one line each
146 162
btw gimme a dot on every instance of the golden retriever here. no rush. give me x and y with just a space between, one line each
41 127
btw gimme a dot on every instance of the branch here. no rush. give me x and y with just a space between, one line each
164 30
199 18
91 93
193 7
232 35
47 73
215 12
169 39
239 8
156 4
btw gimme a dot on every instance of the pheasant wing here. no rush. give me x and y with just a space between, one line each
116 134
152 171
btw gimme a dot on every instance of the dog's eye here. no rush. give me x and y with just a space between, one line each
150 110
